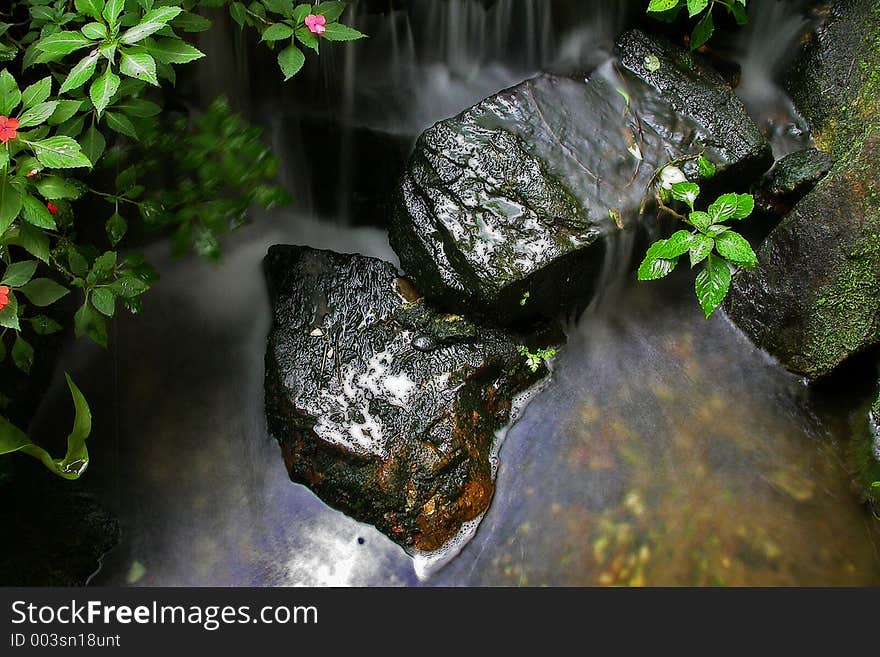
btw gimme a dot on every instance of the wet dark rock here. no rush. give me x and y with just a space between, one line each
383 406
813 301
54 535
519 194
790 179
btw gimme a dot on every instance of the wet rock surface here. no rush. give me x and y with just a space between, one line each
813 301
56 535
518 194
383 406
790 179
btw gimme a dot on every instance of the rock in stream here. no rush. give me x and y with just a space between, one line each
386 408
813 301
517 195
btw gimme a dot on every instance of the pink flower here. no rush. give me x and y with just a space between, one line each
4 296
8 129
316 24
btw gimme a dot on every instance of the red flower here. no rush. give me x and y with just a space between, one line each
51 207
4 296
8 129
316 24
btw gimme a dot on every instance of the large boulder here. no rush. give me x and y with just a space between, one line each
516 195
384 407
813 301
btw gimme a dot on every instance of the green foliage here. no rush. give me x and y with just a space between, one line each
701 10
280 22
708 242
83 127
536 359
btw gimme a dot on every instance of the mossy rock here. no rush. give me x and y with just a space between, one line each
813 301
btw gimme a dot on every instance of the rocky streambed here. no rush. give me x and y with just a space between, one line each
385 388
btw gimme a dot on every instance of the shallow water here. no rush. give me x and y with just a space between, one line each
666 449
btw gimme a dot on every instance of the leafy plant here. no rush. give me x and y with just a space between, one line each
86 142
668 11
535 360
708 241
280 22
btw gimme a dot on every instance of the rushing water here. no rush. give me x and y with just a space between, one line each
666 449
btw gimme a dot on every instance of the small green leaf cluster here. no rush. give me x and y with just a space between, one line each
280 22
709 242
668 11
534 360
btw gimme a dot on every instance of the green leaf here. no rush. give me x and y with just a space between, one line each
94 31
238 12
703 31
736 248
55 187
81 73
104 265
22 354
283 7
706 167
151 23
745 204
300 12
62 43
43 325
174 51
190 22
700 220
723 208
330 10
696 6
305 37
104 301
139 65
738 9
103 90
116 227
139 108
10 96
9 315
34 241
37 93
93 144
121 124
36 213
676 245
712 284
59 153
686 192
91 8
37 114
10 203
661 5
340 32
654 266
701 247
112 9
291 60
75 461
277 32
129 287
44 291
64 111
88 323
19 273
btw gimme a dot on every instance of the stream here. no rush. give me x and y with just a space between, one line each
666 449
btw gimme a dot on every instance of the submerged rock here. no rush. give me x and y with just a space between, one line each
517 195
814 299
384 407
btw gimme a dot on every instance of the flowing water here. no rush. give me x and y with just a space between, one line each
665 450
